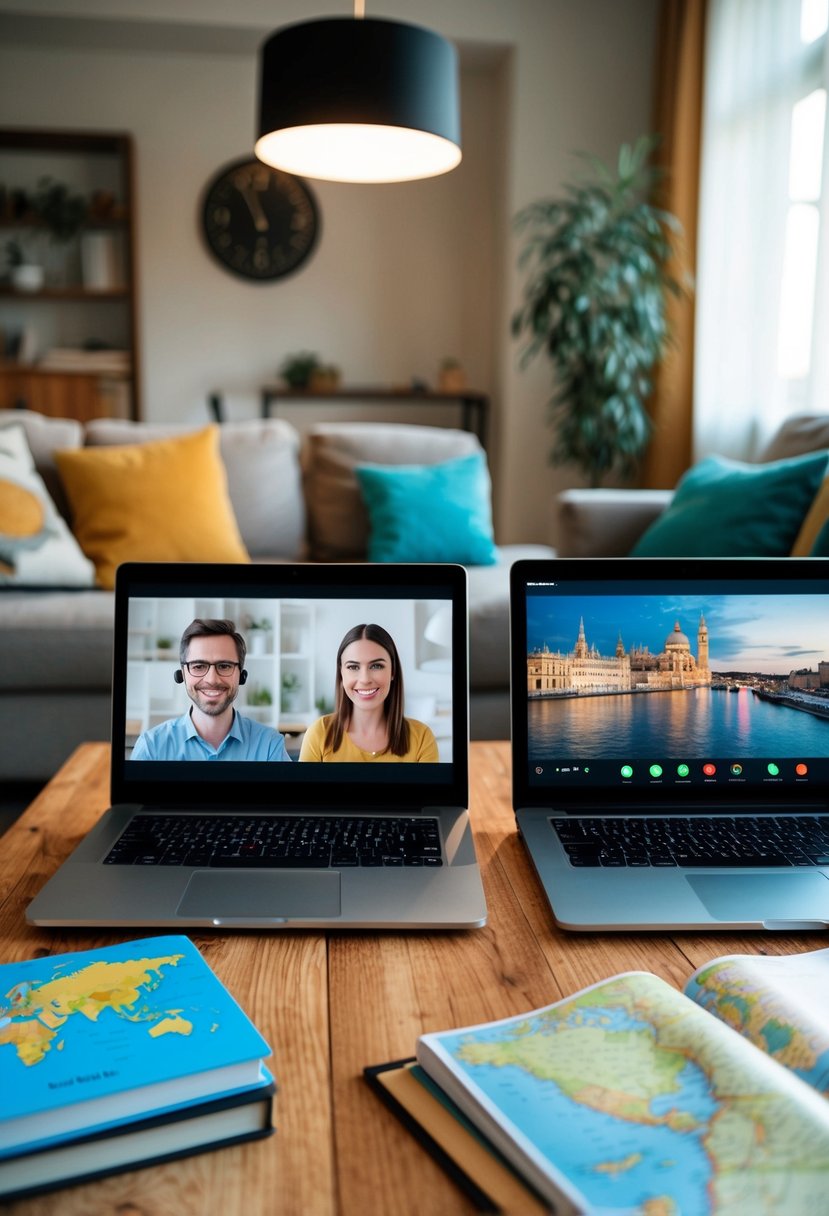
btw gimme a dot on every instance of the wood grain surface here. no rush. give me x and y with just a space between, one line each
332 1003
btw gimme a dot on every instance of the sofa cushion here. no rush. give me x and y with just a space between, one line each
261 459
36 547
723 508
489 640
62 641
430 513
338 523
45 436
164 500
798 435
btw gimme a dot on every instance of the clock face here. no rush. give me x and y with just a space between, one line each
259 223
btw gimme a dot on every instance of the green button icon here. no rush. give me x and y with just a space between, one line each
626 770
655 770
682 770
773 770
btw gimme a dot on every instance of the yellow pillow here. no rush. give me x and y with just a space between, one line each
163 501
816 517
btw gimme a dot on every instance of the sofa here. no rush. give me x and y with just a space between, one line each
293 500
608 522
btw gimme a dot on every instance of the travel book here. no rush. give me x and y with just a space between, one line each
121 1056
633 1097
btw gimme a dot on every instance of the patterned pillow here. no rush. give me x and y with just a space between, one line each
36 547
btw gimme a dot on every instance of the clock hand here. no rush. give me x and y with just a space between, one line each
251 197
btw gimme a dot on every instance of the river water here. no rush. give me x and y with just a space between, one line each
692 722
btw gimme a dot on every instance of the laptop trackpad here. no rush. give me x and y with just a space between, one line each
764 897
262 895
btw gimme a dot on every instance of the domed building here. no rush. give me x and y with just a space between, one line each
675 666
585 670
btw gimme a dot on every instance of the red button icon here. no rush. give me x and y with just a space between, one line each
801 769
709 769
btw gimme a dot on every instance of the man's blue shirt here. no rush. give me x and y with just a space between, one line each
178 739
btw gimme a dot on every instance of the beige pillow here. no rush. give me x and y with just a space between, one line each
261 460
161 501
338 523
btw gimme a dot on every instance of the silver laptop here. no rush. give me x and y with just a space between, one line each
260 828
671 740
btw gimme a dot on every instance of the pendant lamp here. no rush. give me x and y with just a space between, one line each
359 99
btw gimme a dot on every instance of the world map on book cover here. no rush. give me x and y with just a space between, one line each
83 1025
648 1105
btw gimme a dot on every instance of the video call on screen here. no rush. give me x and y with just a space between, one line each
292 645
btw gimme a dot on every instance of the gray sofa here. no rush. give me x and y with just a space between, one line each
608 522
292 501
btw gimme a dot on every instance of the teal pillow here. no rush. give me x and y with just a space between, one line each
429 513
723 508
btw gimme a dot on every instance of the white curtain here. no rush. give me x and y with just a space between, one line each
758 67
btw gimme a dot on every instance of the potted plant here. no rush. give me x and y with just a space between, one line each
451 378
259 697
290 691
60 210
598 263
258 631
296 369
324 379
25 274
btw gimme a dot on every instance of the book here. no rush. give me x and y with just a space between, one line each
218 1123
482 1173
633 1097
106 1044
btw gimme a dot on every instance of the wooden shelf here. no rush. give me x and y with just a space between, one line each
66 293
107 162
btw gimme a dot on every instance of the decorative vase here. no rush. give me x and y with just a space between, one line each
28 277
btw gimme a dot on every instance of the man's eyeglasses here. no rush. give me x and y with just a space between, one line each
198 667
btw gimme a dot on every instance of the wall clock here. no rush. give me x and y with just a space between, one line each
258 222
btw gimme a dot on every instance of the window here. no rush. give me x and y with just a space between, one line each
763 268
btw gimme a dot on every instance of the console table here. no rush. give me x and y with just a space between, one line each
331 1003
474 406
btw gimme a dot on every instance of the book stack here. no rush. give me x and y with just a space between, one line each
633 1097
121 1057
89 362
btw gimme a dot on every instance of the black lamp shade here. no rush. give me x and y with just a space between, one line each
324 81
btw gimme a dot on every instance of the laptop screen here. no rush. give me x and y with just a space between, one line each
671 680
286 683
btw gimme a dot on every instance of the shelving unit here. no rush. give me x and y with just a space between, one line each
84 299
282 646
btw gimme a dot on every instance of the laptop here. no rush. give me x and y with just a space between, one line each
670 740
258 835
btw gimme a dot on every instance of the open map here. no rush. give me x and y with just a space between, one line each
631 1098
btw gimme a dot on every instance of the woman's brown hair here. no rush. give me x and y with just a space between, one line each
398 727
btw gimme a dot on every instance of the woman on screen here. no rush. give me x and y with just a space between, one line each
367 723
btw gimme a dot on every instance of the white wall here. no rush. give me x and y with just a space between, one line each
403 274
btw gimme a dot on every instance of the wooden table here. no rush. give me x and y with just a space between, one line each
331 1003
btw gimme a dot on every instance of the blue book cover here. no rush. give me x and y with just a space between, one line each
96 1036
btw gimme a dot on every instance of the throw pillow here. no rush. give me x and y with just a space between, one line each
723 508
429 513
163 501
36 547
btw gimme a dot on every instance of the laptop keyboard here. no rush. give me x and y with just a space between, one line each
259 842
732 842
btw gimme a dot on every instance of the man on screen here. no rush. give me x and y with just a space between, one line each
212 656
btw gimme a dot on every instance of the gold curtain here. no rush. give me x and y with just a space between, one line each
680 52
